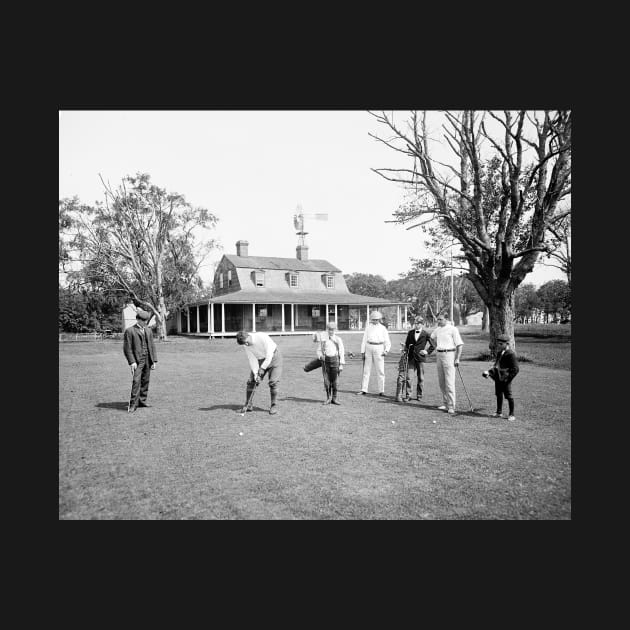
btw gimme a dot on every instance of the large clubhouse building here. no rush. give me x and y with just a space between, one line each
282 296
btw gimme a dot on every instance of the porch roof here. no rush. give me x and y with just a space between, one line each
279 296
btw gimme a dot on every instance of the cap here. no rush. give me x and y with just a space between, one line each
375 315
143 315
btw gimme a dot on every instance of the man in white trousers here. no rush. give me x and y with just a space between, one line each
374 346
448 345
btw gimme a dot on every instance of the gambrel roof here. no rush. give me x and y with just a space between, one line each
273 262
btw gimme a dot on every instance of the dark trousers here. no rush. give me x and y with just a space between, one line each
502 389
412 366
140 382
274 371
331 376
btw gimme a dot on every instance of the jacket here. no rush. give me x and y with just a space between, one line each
413 347
505 368
132 345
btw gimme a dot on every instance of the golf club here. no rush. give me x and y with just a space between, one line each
251 398
467 396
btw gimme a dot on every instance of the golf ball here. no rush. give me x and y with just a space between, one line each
393 422
435 422
241 433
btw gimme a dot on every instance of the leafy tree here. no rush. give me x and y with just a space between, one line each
143 242
497 198
555 298
526 301
366 284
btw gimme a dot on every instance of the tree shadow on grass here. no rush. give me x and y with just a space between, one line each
113 405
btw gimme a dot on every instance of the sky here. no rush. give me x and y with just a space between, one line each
251 169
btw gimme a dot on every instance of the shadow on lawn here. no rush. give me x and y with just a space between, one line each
311 400
114 405
229 407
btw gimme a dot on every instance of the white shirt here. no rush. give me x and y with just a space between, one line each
262 347
376 333
330 349
446 338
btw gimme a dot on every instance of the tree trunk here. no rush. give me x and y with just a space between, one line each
485 318
502 320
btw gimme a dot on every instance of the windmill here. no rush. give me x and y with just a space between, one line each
298 222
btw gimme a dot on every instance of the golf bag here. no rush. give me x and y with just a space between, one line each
313 365
403 383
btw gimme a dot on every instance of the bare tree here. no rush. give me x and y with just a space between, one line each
498 198
561 239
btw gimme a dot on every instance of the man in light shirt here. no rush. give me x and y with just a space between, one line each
448 345
330 350
264 358
374 347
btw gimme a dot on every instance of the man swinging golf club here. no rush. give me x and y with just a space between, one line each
264 358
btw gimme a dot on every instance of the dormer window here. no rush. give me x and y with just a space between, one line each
293 280
330 281
259 278
221 280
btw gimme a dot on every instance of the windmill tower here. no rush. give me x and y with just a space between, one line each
299 224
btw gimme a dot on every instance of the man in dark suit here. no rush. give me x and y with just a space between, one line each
502 373
416 356
140 352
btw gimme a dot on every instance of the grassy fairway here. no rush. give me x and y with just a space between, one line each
371 458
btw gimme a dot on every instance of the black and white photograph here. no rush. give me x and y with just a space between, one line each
314 314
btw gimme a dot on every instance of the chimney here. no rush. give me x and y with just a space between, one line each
241 248
302 252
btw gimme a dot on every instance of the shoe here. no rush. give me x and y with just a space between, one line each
511 418
361 393
442 407
382 394
418 397
497 415
406 399
399 399
131 409
143 405
273 410
335 402
244 409
326 402
451 411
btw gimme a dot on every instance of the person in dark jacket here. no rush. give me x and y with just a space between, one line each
139 349
414 356
503 371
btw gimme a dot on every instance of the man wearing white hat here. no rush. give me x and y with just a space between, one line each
374 346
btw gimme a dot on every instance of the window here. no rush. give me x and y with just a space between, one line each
229 277
293 280
220 280
259 278
330 282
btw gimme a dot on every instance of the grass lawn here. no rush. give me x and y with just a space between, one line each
371 458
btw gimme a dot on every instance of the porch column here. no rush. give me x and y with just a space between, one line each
326 307
398 321
253 317
198 320
223 317
367 316
405 316
179 320
292 318
282 307
336 323
188 319
211 317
